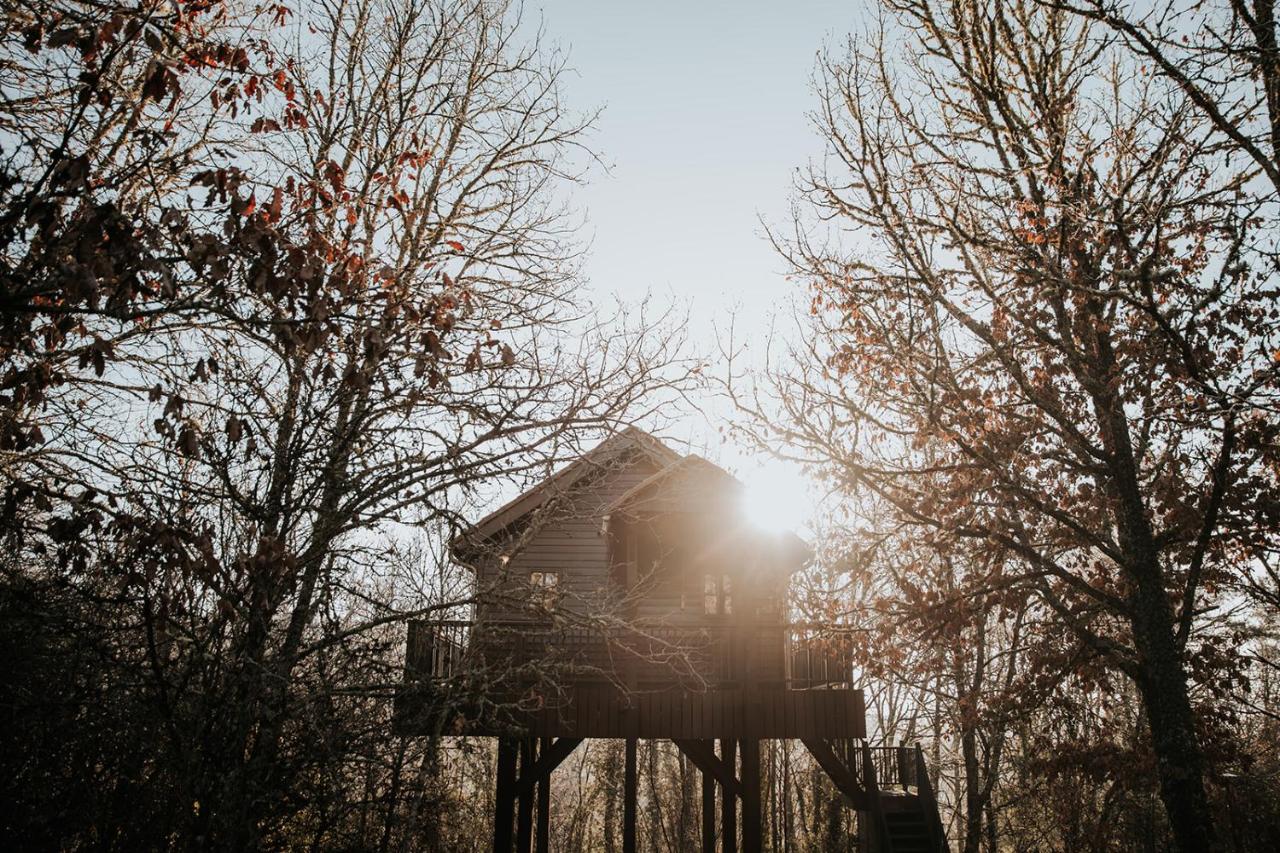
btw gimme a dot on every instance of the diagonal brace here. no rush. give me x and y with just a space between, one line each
841 775
547 762
705 759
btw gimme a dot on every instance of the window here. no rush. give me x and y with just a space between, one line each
545 590
717 595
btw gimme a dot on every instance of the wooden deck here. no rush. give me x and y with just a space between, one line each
753 682
606 711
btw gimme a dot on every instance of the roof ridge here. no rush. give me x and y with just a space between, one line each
660 475
532 498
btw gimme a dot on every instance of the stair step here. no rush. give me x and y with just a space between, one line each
907 831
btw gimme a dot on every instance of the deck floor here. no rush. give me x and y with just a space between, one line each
605 711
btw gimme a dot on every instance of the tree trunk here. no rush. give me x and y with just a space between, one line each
972 792
788 815
1163 685
834 814
656 831
688 830
1161 675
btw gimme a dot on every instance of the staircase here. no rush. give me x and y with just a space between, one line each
890 788
903 814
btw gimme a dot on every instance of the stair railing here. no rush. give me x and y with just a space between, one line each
906 768
929 804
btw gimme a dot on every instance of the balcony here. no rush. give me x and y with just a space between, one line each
624 680
794 657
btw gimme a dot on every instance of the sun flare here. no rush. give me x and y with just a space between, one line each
777 497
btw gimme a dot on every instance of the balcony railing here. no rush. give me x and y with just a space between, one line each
895 766
761 655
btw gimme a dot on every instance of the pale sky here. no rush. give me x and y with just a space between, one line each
704 121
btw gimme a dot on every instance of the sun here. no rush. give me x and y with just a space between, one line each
777 497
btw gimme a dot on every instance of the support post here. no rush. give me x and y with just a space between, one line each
728 802
709 807
629 787
752 830
543 843
524 811
504 794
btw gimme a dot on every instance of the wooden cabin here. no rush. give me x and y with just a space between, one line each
627 597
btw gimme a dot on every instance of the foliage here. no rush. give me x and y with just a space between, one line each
1040 361
284 289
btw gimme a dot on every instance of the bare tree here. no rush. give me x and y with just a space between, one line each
1224 55
386 328
1042 321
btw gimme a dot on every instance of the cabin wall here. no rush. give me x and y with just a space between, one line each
669 542
576 546
671 582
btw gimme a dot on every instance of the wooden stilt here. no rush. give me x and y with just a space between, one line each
629 800
543 844
752 834
709 808
728 802
504 795
524 809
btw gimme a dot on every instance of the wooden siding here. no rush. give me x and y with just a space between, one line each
573 543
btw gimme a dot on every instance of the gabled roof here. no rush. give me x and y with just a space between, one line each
629 439
691 465
671 467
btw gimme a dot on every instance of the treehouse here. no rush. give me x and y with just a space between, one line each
627 597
